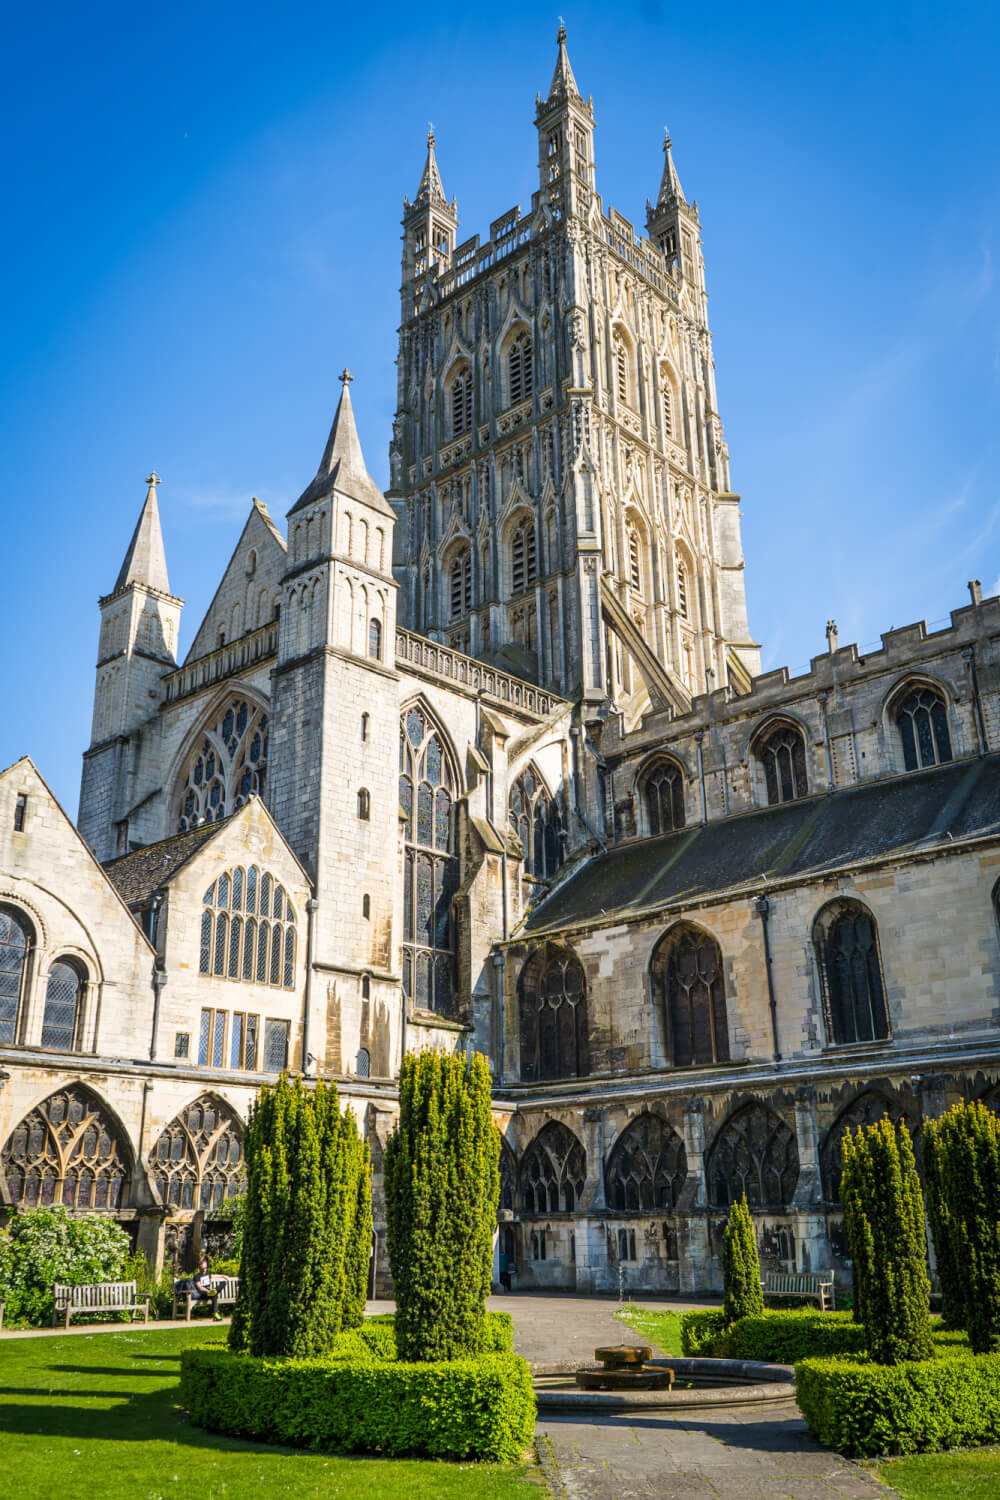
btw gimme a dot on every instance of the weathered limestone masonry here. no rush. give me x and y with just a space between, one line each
484 763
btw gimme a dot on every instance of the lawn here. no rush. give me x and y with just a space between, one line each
940 1476
658 1325
96 1415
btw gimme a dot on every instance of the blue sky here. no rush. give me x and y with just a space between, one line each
203 207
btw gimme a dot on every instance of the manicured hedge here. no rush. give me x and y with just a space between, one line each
916 1407
780 1337
464 1408
378 1334
700 1330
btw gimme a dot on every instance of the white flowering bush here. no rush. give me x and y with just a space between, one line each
48 1245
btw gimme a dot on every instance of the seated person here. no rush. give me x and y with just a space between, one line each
201 1289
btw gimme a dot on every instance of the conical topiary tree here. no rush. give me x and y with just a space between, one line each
442 1185
962 1152
884 1220
308 1203
741 1265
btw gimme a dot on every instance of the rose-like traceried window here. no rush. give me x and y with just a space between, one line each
69 1150
754 1153
553 1171
248 929
227 767
427 789
197 1161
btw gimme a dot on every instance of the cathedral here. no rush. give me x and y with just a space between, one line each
488 762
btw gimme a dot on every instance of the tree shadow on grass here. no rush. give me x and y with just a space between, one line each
119 1372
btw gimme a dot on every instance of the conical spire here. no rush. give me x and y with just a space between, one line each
431 188
670 187
145 561
342 466
563 83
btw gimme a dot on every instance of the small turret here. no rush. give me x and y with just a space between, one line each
430 223
565 124
672 222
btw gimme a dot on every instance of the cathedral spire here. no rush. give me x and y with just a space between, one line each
671 191
431 189
563 83
342 466
146 561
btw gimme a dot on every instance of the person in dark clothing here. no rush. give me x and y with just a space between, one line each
203 1289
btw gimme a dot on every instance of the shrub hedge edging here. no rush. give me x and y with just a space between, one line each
378 1333
781 1337
915 1407
464 1408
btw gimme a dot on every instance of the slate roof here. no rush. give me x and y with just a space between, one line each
139 875
903 815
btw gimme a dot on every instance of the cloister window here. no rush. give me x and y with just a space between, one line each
375 640
647 1167
197 1161
782 756
63 1005
523 555
227 768
69 1150
682 590
248 930
519 369
846 943
16 944
553 1007
620 358
922 720
427 789
688 977
663 796
755 1153
461 403
460 583
865 1110
535 818
553 1171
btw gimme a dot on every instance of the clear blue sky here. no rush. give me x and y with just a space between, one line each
202 228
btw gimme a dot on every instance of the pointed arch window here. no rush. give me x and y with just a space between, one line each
197 1161
620 368
845 938
647 1167
375 640
461 403
865 1110
227 768
634 560
689 979
535 818
682 590
755 1153
460 583
17 940
553 1171
663 797
520 373
71 1151
238 909
553 1007
782 755
667 401
922 721
427 791
523 555
64 994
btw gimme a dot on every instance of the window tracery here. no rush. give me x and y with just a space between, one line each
846 941
922 721
634 560
69 1151
621 368
427 791
682 590
688 975
553 1007
17 940
523 555
535 818
553 1171
248 930
63 1005
647 1167
663 795
460 583
461 403
520 373
755 1153
227 768
508 1178
197 1161
782 756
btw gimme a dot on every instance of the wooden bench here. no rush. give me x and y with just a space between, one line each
225 1288
817 1285
97 1296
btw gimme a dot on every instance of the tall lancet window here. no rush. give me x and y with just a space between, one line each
460 583
461 402
427 790
523 555
519 369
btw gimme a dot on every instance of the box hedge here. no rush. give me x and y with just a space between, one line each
700 1331
481 1408
779 1337
378 1334
918 1406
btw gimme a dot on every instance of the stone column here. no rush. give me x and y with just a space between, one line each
813 1251
591 1240
694 1254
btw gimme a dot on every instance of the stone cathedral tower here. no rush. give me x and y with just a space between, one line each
559 473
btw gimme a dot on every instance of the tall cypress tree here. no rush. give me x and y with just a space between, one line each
308 1197
741 1265
963 1155
884 1220
442 1186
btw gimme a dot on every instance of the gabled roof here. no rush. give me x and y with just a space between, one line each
138 876
342 466
816 835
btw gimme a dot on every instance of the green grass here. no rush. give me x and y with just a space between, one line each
95 1417
940 1476
660 1326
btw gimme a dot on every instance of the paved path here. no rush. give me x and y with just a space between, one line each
739 1453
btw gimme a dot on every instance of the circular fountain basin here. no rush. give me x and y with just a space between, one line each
698 1383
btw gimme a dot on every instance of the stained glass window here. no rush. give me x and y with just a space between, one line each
553 1006
688 977
663 793
15 945
227 767
63 997
535 818
846 942
922 719
430 868
783 757
241 948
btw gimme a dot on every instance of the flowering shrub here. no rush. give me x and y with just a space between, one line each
48 1245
